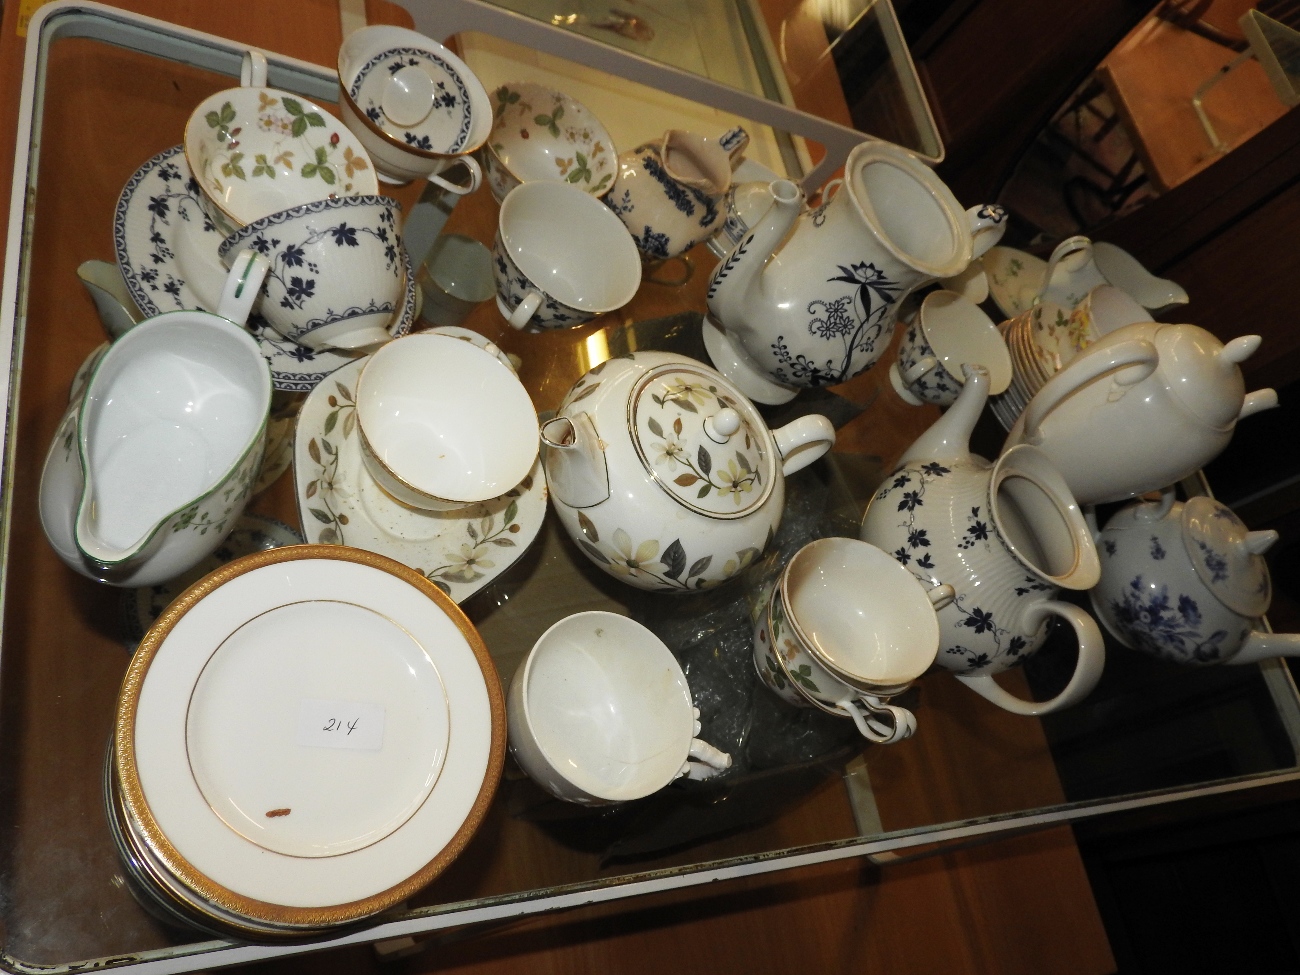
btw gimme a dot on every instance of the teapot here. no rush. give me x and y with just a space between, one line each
664 474
669 192
1005 536
809 297
1141 408
1187 583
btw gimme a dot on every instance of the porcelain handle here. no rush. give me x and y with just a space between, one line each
704 761
243 285
733 143
885 724
1066 248
461 189
1153 511
1135 352
926 363
941 596
988 222
1087 669
252 71
525 309
803 441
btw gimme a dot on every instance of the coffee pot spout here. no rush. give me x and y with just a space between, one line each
948 440
574 458
741 274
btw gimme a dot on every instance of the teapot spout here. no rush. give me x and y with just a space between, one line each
948 440
574 458
1257 402
1263 646
740 275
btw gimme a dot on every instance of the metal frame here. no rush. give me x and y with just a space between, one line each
72 18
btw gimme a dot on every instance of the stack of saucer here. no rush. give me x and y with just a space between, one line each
1040 344
304 739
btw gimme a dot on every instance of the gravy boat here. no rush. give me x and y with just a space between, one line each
155 458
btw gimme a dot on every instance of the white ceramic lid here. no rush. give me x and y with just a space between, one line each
258 648
1217 545
417 96
702 441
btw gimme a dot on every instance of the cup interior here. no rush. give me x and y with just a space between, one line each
960 333
861 611
608 705
446 418
571 246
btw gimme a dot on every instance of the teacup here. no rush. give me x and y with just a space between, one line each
456 277
944 333
844 628
600 712
338 270
561 257
156 455
1103 310
443 423
543 134
415 106
255 151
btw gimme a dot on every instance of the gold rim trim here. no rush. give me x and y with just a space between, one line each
132 794
396 143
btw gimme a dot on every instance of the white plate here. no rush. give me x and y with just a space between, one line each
339 503
282 629
167 251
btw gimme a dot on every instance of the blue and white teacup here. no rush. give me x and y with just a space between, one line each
338 270
561 257
946 332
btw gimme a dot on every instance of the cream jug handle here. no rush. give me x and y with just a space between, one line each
867 713
1087 669
461 189
1135 352
988 222
243 285
803 441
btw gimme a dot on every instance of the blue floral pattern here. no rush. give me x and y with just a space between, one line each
450 98
1169 626
513 286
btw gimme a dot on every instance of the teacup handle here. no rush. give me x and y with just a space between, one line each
705 761
525 309
885 724
803 441
926 363
252 71
988 222
1134 352
243 285
1087 669
1066 248
461 189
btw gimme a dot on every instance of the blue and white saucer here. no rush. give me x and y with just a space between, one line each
167 251
445 129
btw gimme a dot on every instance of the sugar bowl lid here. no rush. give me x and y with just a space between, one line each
701 440
1227 557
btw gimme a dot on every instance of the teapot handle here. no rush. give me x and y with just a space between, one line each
1135 352
803 441
1087 669
988 222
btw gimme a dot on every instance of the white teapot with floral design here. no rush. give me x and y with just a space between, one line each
809 297
664 474
1006 537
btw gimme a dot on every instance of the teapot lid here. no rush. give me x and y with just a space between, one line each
701 440
1208 384
1219 549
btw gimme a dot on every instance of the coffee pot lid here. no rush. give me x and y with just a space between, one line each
1225 556
701 440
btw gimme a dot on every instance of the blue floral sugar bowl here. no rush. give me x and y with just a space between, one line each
1187 583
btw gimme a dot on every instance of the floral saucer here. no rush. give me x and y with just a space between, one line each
167 251
339 503
446 126
1015 278
252 533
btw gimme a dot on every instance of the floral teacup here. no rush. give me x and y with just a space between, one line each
946 332
256 151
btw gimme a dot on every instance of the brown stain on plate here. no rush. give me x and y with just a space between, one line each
276 813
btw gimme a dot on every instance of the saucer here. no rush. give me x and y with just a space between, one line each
445 129
167 251
339 503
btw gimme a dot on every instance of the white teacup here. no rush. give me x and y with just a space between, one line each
600 712
443 423
946 332
561 257
845 628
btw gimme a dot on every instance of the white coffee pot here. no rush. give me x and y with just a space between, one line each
809 297
1142 408
1187 583
665 475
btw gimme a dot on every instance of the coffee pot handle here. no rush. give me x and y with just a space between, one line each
803 441
1087 669
884 724
1098 362
988 222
